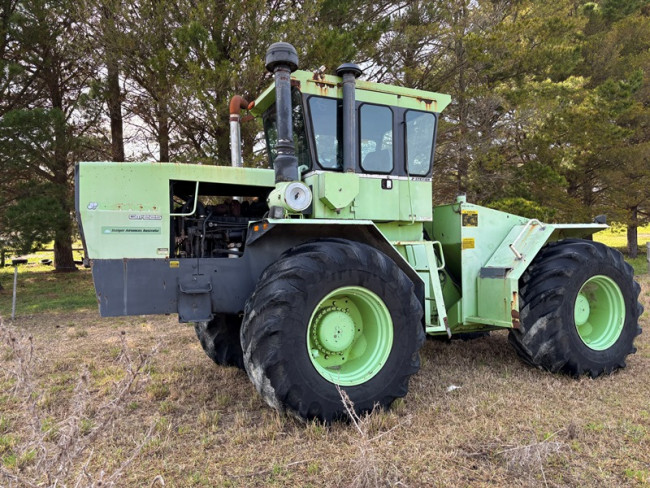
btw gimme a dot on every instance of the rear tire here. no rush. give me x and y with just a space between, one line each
579 310
332 312
220 339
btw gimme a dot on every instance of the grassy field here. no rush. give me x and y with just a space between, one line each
40 290
134 401
616 237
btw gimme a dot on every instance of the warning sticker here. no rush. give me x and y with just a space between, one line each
174 264
470 218
468 243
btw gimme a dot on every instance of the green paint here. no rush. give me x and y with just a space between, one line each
337 190
599 312
335 329
471 237
367 91
475 237
421 255
130 197
404 201
350 335
582 310
397 232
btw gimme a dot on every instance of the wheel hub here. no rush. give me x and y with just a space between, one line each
350 335
333 330
582 309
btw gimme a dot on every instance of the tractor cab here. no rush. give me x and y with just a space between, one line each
396 127
389 132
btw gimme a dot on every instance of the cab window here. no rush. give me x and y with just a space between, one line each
328 126
376 141
420 127
299 134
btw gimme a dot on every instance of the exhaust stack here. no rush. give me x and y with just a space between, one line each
349 72
236 104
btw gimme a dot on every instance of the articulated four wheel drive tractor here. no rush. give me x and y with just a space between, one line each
330 268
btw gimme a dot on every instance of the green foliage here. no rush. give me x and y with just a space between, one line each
614 10
30 207
47 118
32 221
27 139
525 208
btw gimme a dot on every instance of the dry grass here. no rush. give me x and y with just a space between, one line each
507 424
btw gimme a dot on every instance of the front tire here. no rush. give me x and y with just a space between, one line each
580 310
327 313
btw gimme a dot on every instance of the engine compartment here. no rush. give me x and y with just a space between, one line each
217 227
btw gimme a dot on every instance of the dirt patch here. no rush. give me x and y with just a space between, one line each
192 423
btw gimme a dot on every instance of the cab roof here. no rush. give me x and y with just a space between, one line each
366 91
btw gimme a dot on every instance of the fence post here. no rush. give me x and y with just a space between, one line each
13 300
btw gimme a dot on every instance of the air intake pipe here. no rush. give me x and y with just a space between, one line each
281 60
349 72
290 196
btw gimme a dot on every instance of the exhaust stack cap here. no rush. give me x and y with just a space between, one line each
281 53
349 68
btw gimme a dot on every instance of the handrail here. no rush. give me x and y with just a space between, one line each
442 255
517 254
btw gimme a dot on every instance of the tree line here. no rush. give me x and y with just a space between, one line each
550 115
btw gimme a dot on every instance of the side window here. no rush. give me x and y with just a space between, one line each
376 144
299 134
325 115
420 127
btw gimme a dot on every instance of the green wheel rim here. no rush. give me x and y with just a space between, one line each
599 312
350 336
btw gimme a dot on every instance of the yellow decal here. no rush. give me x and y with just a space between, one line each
174 264
468 243
470 218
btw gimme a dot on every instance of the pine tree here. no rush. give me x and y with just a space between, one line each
47 121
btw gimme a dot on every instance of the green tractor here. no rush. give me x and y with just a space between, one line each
327 271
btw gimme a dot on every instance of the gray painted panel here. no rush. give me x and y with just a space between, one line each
151 286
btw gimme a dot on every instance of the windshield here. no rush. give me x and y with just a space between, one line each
299 135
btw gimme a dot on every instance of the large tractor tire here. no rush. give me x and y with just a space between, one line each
579 310
327 313
220 340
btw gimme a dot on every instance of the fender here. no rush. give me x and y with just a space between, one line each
490 250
